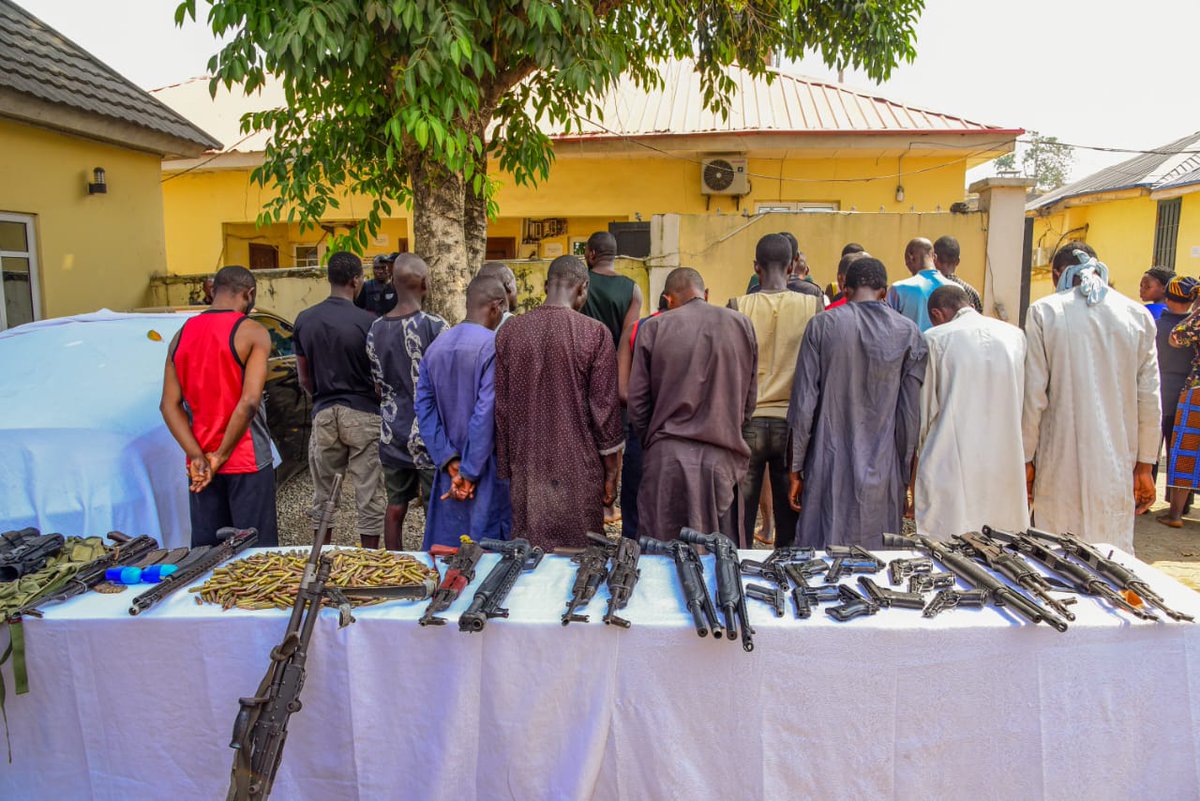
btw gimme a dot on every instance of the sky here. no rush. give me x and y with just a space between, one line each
1090 72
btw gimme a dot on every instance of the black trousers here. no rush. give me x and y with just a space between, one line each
240 500
768 441
631 480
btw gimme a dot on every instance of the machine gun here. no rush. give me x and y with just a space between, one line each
593 570
260 730
731 598
853 604
928 582
1118 574
998 593
623 576
691 580
1082 580
1014 568
460 572
886 597
516 556
233 542
952 598
26 551
899 570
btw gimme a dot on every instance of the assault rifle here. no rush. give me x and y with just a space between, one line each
460 572
593 570
126 551
731 598
260 729
1118 574
1014 568
886 597
622 578
691 579
516 556
26 551
202 560
998 593
1082 580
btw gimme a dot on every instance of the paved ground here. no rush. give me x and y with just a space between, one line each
1174 551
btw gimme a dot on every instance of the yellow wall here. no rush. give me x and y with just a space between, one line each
1122 233
93 251
722 248
589 192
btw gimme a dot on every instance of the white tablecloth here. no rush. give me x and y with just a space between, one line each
968 705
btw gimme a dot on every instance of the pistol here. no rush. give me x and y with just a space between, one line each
900 569
951 599
769 595
886 597
930 582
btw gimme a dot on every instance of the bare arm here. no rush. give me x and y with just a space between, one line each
304 373
253 341
177 422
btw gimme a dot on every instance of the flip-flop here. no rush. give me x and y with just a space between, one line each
1169 522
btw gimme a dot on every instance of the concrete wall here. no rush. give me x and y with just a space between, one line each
93 250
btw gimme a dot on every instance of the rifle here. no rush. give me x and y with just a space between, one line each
930 581
260 729
1082 580
886 597
952 598
1013 567
731 598
460 572
26 551
691 580
1118 574
622 578
593 570
233 542
852 605
126 551
901 569
998 593
516 556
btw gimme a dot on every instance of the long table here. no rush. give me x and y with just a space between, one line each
969 704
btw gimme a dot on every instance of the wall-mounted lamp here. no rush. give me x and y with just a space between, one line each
900 193
98 186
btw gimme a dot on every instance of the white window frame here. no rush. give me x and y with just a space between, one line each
31 254
796 206
296 259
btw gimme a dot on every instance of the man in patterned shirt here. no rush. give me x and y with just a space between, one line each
946 255
395 345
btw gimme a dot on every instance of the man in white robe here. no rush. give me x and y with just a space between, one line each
971 467
1092 411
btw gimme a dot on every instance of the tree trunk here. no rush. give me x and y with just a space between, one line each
475 203
438 234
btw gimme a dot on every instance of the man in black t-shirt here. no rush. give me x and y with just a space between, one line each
377 295
331 359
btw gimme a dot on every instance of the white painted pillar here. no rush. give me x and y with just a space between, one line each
1003 200
664 255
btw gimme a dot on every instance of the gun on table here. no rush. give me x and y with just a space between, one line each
26 551
1118 574
1082 580
952 599
1016 569
862 560
623 576
793 553
899 570
126 551
775 572
731 598
768 595
232 542
998 593
928 582
460 572
805 596
593 570
808 569
516 556
260 729
886 597
853 604
691 580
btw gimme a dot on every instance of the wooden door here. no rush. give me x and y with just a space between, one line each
263 257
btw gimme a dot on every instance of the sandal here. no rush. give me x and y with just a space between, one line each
1169 521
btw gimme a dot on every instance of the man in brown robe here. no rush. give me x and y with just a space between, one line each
692 388
558 421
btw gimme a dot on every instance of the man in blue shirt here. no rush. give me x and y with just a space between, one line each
910 297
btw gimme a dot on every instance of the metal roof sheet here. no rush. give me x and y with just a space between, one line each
1164 168
38 61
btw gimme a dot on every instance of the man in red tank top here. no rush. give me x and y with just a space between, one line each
212 402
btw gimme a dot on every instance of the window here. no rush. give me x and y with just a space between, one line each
308 256
1166 232
19 299
787 206
280 333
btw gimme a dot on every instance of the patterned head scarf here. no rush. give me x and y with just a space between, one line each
1183 289
1093 278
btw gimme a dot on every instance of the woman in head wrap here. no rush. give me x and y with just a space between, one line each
1153 289
1179 379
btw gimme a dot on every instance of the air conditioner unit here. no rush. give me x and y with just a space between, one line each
722 175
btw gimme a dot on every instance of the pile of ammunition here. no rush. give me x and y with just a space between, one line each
270 580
